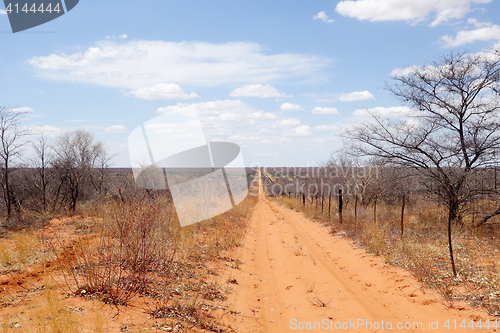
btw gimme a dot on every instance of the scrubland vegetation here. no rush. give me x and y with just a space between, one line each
440 156
418 240
129 252
79 230
422 189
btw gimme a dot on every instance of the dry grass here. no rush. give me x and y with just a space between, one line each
316 301
424 247
21 249
137 249
55 317
127 251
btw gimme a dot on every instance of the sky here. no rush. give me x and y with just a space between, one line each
281 79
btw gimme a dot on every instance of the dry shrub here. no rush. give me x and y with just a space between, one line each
134 238
137 247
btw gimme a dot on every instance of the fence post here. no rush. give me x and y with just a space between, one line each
340 206
329 203
402 216
321 202
356 213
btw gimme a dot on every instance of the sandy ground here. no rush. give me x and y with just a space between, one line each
295 275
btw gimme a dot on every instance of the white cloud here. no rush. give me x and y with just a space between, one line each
136 64
257 90
3 12
23 109
484 33
290 122
214 108
243 138
325 128
413 123
394 111
47 130
478 24
356 96
124 36
290 107
301 131
163 91
320 110
115 129
431 70
262 115
406 10
323 17
223 118
404 71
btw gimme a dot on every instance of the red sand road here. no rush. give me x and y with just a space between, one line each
291 262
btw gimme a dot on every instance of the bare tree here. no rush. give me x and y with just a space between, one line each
102 163
10 147
40 163
76 155
453 130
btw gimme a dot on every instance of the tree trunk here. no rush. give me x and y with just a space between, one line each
7 194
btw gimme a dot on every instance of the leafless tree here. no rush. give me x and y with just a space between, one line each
102 163
10 146
76 156
453 130
40 163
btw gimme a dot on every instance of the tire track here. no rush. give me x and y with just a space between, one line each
294 272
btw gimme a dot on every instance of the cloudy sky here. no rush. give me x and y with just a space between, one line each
279 78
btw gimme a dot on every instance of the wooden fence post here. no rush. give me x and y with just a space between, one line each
329 203
340 206
356 213
321 202
402 216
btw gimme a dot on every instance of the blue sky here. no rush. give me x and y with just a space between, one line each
279 78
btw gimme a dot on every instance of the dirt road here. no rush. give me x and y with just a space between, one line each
295 275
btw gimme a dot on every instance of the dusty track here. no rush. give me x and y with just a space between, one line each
291 262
